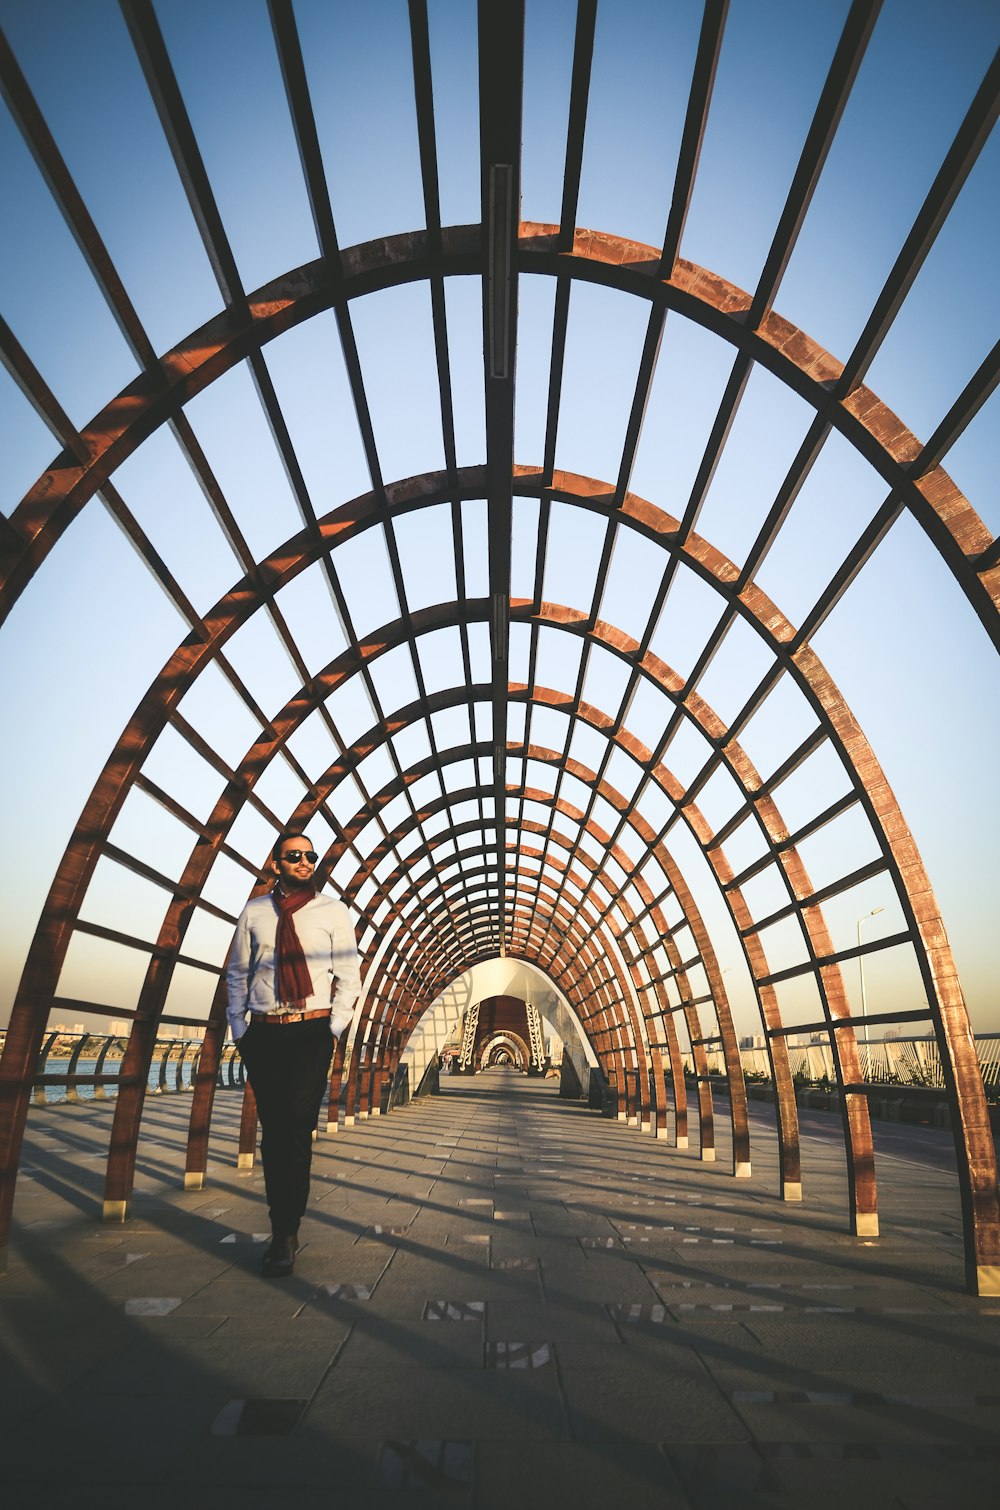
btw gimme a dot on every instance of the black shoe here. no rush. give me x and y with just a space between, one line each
279 1260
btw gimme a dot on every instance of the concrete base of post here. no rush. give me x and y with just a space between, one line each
114 1211
866 1224
792 1191
987 1279
742 1171
194 1179
244 1161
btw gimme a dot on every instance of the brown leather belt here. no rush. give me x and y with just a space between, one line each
274 1019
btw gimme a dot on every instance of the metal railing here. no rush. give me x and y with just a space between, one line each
891 1061
74 1067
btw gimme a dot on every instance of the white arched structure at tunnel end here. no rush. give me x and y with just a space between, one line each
497 977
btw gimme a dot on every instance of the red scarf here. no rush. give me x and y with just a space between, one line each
292 974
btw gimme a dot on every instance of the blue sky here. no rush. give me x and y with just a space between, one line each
93 630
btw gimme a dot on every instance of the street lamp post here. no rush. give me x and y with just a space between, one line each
861 966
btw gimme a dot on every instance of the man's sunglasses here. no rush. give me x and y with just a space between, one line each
293 856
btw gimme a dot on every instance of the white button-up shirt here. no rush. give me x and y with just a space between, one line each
326 934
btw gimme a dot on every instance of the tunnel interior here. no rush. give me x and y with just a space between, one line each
528 715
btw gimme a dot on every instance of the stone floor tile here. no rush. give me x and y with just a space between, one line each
625 1404
103 1438
778 1338
377 1341
230 1361
592 1474
458 1403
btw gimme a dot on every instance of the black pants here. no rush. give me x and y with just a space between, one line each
288 1068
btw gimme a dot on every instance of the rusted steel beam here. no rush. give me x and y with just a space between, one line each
203 1097
858 1145
427 139
738 1114
52 165
820 821
723 423
579 94
423 94
557 361
978 389
959 161
129 1102
857 557
608 794
847 59
246 1148
293 73
336 1078
706 64
501 82
39 395
640 402
664 1021
208 484
802 464
144 29
155 951
970 1121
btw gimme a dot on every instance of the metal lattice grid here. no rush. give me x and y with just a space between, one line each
526 777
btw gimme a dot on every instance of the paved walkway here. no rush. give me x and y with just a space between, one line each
503 1299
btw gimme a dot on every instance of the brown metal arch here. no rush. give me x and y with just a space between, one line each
91 456
856 1123
474 889
585 926
245 598
741 1154
245 779
910 470
160 991
647 512
857 1132
427 925
304 813
534 935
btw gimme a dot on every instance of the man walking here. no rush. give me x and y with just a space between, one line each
293 966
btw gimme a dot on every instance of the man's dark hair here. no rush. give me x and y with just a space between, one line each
292 833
